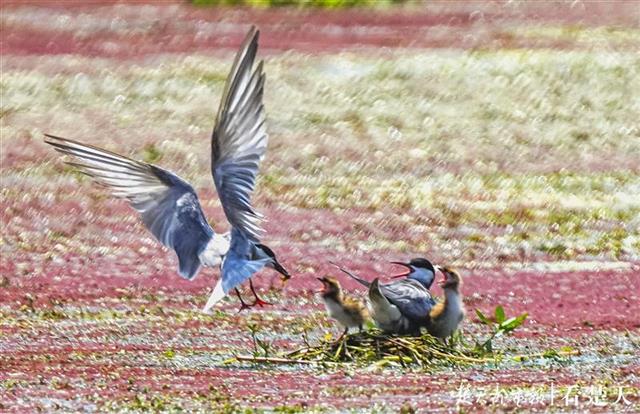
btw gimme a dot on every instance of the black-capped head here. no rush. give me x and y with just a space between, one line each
273 263
419 269
422 263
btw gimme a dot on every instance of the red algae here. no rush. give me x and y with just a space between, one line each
564 300
94 316
189 29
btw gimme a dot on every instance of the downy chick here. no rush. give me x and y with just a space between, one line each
350 312
445 316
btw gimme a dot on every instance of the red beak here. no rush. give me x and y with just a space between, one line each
402 274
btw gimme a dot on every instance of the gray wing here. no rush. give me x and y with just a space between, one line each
239 140
236 268
168 205
412 299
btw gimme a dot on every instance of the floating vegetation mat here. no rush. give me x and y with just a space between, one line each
374 347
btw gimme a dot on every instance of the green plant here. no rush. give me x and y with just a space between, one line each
151 153
500 325
260 348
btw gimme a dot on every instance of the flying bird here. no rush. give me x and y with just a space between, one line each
350 312
169 206
401 306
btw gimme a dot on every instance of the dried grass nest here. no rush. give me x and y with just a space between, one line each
374 347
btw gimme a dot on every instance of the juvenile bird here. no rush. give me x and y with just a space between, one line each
169 206
445 316
350 312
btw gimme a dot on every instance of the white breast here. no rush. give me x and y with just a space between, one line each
217 247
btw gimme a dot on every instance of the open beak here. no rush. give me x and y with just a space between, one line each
402 274
444 274
278 268
324 284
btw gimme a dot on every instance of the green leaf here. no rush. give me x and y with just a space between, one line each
500 316
512 323
483 318
507 325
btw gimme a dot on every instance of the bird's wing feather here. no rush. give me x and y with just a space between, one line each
412 299
168 205
239 140
237 271
236 267
352 275
234 272
386 315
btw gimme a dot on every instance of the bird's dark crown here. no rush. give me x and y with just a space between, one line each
423 263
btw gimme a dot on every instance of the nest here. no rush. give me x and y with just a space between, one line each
374 347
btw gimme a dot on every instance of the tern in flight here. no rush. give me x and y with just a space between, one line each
169 205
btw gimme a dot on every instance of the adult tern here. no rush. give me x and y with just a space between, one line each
169 206
401 306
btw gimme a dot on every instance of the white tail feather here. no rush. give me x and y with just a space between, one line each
386 315
216 296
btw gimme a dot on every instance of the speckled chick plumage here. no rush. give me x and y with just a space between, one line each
348 311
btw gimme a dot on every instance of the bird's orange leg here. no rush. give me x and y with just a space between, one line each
258 301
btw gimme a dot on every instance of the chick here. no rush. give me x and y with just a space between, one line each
350 312
445 316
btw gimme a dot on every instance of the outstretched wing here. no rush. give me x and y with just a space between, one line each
239 140
168 205
412 299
